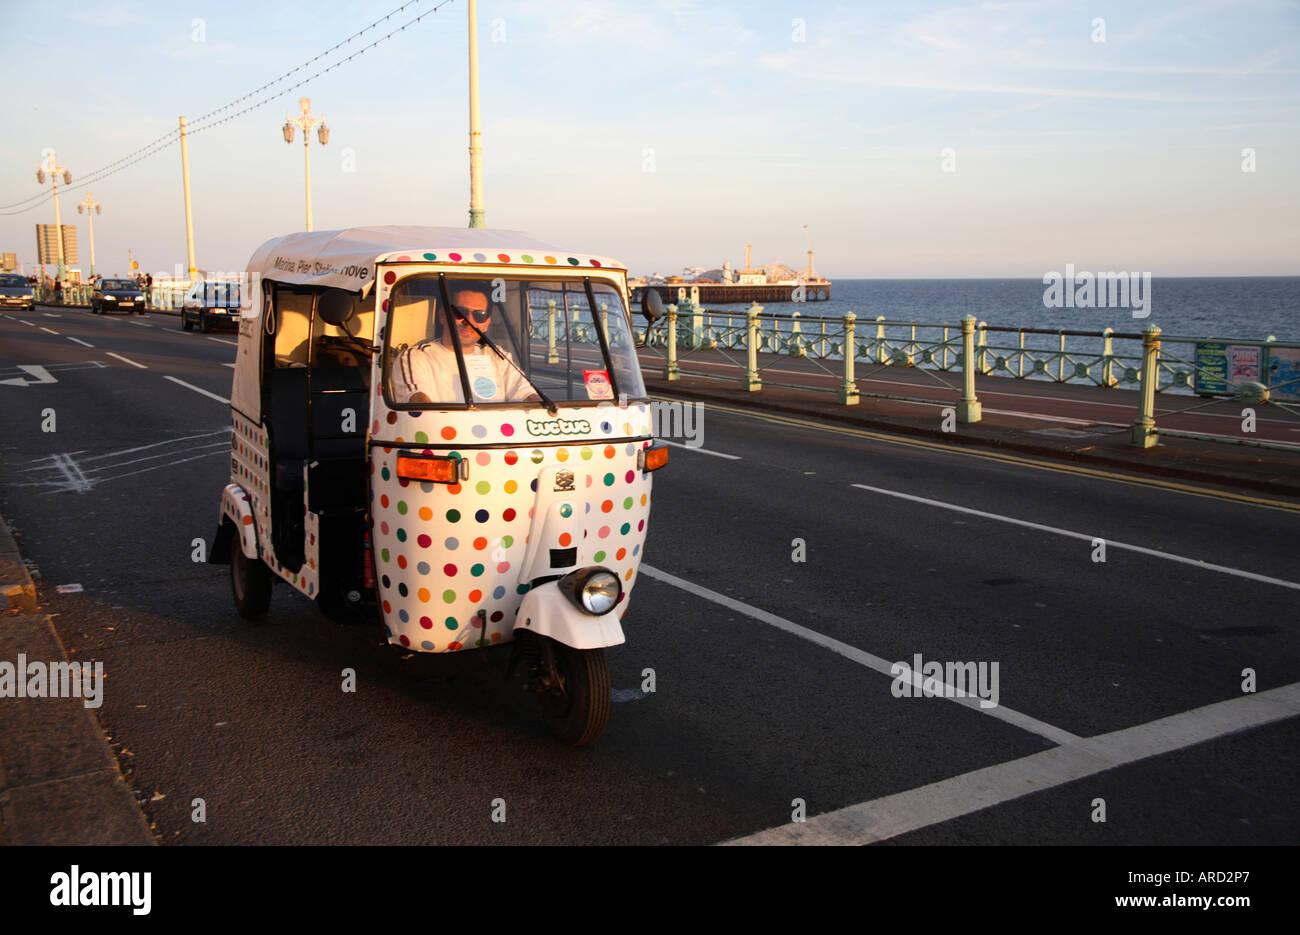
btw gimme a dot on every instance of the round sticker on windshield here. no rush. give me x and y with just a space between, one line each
484 387
598 386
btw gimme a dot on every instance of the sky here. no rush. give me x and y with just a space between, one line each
914 140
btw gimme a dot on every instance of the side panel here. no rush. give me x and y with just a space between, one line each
236 507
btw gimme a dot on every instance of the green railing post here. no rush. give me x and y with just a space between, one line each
968 409
697 321
1060 361
849 390
751 380
796 345
880 339
670 371
1020 365
1108 358
552 356
984 348
1142 433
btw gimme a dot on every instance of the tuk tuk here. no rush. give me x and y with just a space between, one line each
448 426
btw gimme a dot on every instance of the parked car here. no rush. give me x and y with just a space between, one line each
211 304
117 295
16 292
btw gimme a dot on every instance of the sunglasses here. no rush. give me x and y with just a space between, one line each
481 317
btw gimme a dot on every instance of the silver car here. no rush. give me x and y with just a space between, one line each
16 292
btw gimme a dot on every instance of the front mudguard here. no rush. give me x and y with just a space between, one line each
236 520
547 612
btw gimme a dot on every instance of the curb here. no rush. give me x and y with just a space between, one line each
59 780
976 441
17 591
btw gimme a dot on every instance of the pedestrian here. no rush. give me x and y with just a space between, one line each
148 288
58 291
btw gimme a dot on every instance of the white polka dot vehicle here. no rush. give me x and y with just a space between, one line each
446 429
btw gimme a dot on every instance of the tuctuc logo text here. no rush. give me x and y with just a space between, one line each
558 427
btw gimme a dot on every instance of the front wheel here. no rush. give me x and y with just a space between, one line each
577 709
204 325
186 323
250 582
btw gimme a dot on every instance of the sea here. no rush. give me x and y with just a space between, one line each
1249 308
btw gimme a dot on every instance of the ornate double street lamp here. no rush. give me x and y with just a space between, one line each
52 168
304 122
90 208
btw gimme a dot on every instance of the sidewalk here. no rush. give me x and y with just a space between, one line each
59 781
1098 445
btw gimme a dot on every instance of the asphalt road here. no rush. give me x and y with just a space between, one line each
771 674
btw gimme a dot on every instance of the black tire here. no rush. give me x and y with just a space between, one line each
204 325
186 323
578 714
250 583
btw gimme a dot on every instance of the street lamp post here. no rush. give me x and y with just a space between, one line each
52 168
304 122
90 209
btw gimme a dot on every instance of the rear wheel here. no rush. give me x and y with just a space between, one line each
250 582
186 323
577 709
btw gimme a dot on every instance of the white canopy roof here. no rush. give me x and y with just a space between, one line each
345 259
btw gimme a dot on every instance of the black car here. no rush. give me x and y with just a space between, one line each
210 305
117 295
16 292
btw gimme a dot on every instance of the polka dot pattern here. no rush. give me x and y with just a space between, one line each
461 547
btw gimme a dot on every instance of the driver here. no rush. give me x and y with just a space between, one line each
427 372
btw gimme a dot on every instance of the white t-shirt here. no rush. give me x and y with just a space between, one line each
430 368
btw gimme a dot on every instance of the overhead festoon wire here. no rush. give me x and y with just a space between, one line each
173 136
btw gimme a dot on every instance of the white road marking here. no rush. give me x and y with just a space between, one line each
873 662
32 370
126 360
51 315
50 330
26 322
223 341
1087 537
142 324
73 478
897 814
703 451
200 390
79 341
172 441
231 366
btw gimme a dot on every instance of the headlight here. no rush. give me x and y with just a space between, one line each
594 590
110 298
27 296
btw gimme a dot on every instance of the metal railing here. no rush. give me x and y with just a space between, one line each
1106 358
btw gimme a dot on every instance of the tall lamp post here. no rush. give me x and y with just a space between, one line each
53 169
304 122
477 215
90 208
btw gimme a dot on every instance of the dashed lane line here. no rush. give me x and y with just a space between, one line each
1008 458
223 341
1086 537
703 451
197 389
50 330
79 341
892 815
126 360
873 662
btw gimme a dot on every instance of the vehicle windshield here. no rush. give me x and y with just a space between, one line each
118 284
10 279
217 294
508 341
